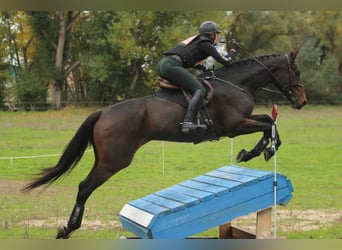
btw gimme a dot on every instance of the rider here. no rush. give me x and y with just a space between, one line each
190 53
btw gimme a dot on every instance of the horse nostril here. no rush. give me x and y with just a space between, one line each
299 106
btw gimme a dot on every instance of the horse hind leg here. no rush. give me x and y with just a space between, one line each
98 175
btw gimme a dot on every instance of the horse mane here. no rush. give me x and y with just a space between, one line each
245 66
252 59
241 64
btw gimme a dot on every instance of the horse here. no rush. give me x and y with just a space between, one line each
116 132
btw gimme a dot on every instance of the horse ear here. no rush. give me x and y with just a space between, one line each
293 54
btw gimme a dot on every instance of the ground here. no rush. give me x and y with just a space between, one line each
287 220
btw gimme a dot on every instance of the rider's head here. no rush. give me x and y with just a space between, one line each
210 29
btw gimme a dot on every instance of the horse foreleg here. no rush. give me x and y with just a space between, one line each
245 155
257 123
269 152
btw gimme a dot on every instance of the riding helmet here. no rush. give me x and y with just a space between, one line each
209 27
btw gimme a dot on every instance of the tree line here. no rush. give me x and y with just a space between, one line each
81 57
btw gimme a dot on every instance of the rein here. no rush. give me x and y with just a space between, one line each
214 77
273 91
289 93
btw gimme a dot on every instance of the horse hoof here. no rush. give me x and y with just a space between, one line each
63 233
268 154
241 155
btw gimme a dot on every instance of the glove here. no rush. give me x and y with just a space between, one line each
235 45
201 67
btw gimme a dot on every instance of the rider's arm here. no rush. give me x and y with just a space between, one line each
210 49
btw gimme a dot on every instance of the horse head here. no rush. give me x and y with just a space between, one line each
294 91
280 70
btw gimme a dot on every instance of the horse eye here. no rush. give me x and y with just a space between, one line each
296 71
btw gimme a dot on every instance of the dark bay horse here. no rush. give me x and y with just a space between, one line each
118 131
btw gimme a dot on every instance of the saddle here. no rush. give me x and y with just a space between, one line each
171 92
166 84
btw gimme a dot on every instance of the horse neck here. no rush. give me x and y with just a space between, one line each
250 75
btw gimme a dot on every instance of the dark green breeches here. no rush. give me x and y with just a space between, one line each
173 70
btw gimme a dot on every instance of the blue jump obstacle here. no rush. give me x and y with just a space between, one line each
204 202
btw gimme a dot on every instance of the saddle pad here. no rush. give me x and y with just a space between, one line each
173 95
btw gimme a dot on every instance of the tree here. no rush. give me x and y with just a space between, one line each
112 55
3 79
321 58
136 34
66 20
15 47
3 65
143 36
265 31
100 76
31 91
328 27
53 31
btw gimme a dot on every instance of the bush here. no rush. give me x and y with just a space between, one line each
31 91
4 73
322 81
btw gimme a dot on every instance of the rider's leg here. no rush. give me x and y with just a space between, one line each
174 71
189 123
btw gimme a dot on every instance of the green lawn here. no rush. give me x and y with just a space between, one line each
310 156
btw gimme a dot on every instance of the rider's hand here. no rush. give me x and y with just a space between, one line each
235 45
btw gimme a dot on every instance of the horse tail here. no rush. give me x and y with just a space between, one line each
71 155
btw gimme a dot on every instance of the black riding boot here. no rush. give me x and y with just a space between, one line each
190 124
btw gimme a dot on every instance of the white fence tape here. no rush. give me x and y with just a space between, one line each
11 158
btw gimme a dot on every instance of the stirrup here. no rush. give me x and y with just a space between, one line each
188 127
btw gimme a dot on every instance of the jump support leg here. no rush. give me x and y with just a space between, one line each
263 228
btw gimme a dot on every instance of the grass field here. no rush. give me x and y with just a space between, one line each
310 156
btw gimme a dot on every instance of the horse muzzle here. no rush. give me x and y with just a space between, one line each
299 102
297 96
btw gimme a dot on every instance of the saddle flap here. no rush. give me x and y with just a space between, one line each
208 87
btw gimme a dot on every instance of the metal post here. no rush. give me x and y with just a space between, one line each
163 157
274 150
231 150
275 178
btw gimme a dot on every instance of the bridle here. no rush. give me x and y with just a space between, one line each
289 90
